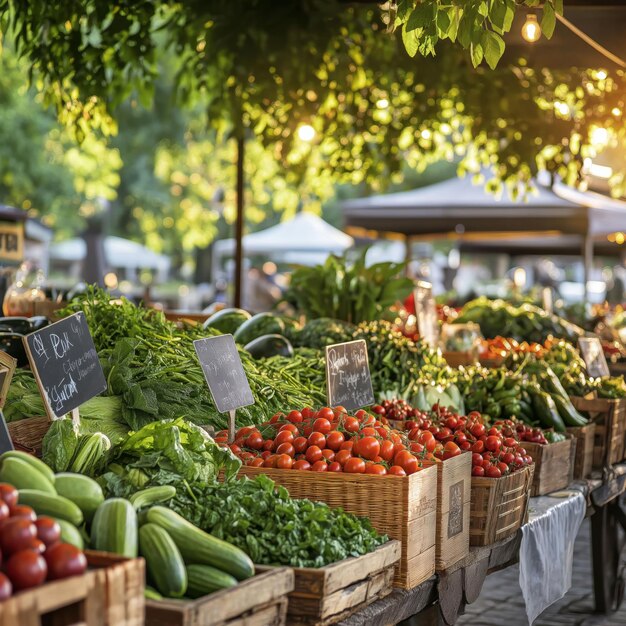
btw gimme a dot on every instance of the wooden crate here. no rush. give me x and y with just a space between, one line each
609 417
583 458
454 482
499 506
403 507
329 594
456 359
554 465
110 593
257 601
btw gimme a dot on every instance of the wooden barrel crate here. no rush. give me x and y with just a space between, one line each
583 457
554 465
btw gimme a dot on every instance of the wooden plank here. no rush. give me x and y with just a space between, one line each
473 579
450 592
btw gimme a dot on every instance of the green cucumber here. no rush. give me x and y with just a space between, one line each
227 321
267 346
258 325
70 534
151 594
83 491
36 463
152 495
196 546
114 528
164 563
51 504
22 475
204 579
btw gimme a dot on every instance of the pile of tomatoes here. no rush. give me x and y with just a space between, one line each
496 450
31 551
328 440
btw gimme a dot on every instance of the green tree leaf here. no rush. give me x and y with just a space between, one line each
421 17
476 54
411 40
548 20
493 46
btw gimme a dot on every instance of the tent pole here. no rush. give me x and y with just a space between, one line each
588 262
239 222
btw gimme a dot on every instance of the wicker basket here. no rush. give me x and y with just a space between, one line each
454 481
583 458
610 419
554 465
110 593
28 434
499 506
405 508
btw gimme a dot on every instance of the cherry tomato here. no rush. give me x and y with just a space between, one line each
478 470
503 467
374 468
508 458
270 461
16 535
36 545
334 440
368 432
328 454
466 445
367 447
295 417
416 448
6 588
243 432
492 471
22 511
347 445
492 443
342 456
65 560
258 462
286 436
268 444
386 450
266 454
326 413
301 465
406 461
26 569
351 424
284 461
307 413
354 466
8 494
396 470
477 459
313 454
451 448
493 432
322 425
254 441
4 511
290 427
478 446
316 439
335 467
477 429
286 448
319 466
300 444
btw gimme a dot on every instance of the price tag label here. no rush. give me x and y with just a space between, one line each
593 355
426 313
66 365
224 375
348 379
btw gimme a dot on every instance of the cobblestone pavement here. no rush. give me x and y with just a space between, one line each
501 603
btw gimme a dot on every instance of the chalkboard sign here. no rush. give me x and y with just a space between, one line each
224 373
348 375
7 369
593 355
66 365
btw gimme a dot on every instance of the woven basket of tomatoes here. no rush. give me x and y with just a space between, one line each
355 462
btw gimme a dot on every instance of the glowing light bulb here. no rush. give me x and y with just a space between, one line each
306 132
531 31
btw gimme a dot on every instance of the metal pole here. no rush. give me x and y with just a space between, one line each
588 262
239 223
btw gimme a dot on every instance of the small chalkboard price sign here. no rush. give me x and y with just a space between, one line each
225 376
66 365
593 355
348 378
7 369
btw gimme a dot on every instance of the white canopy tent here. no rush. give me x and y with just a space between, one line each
121 254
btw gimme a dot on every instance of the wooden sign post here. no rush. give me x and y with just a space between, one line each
348 379
593 355
66 365
225 376
426 313
7 369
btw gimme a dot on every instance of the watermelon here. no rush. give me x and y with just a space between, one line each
258 325
269 345
227 321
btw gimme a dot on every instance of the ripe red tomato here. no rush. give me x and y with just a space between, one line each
416 448
460 437
493 443
376 469
325 413
338 411
466 445
351 424
503 467
335 467
243 432
477 459
386 450
316 439
16 535
354 466
321 425
295 417
406 461
509 442
4 511
65 560
492 471
268 444
258 462
286 448
8 494
6 589
254 441
22 511
319 466
368 431
286 436
396 470
342 456
284 461
347 445
493 432
301 465
478 446
478 470
451 448
313 454
328 454
508 458
477 429
334 440
290 427
26 569
36 545
451 423
367 447
270 461
307 413
300 444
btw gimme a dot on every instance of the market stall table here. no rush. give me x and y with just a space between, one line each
441 598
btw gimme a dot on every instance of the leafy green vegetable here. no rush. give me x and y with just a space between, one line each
59 444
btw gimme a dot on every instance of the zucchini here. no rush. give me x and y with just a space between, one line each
164 563
70 534
260 324
22 475
83 491
204 579
196 546
51 504
151 594
227 321
152 495
268 346
114 528
36 463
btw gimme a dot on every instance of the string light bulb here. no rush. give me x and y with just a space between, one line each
531 31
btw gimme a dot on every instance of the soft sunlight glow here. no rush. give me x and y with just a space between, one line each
620 238
519 277
269 268
599 136
306 132
601 75
531 31
383 103
110 280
